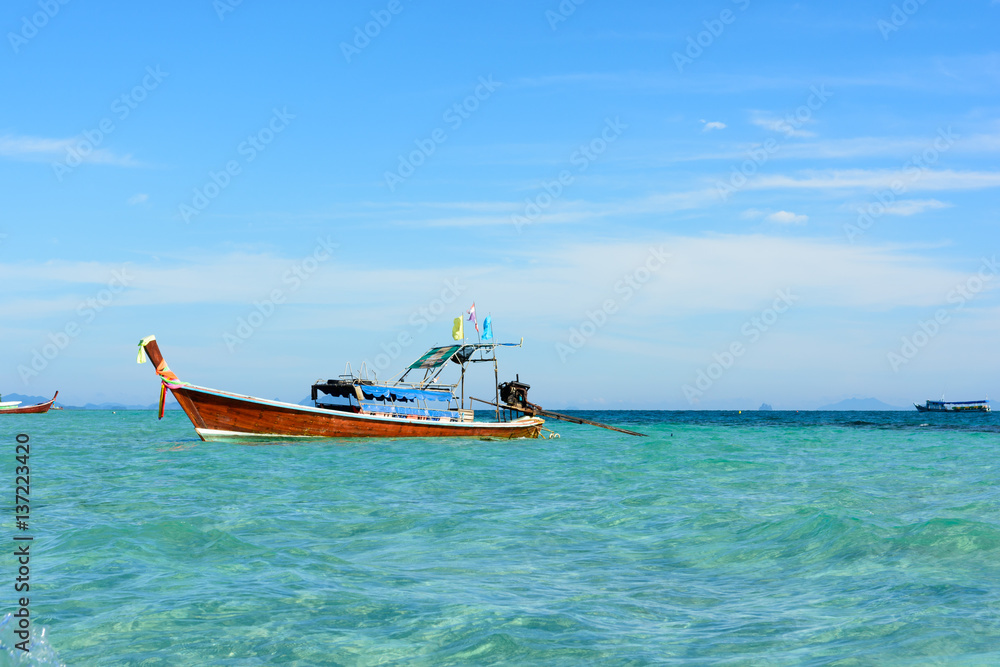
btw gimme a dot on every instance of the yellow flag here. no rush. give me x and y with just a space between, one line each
456 330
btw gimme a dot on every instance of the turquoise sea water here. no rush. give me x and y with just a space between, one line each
723 538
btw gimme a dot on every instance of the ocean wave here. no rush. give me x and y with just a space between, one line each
41 653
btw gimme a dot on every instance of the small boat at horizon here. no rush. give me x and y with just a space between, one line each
15 407
954 406
348 407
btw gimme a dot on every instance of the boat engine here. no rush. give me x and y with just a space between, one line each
515 393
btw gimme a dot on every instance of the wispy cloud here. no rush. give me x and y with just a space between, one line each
873 179
705 274
481 214
777 217
712 125
897 148
775 124
787 218
138 199
13 146
40 149
934 73
914 206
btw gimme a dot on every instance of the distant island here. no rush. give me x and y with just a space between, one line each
860 404
764 407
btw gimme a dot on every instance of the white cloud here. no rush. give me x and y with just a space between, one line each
978 73
787 218
729 272
138 199
713 125
881 179
42 150
723 280
11 146
704 274
781 125
915 206
902 149
560 211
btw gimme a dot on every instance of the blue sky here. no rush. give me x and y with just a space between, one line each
676 205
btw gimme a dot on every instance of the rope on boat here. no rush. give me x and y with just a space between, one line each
551 434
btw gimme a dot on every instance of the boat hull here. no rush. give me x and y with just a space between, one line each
38 408
970 406
219 415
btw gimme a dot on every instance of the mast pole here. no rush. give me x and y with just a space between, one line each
496 381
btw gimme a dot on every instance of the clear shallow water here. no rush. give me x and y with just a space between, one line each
723 538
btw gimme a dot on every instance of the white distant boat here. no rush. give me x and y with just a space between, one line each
954 406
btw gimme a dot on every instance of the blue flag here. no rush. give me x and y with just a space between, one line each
488 328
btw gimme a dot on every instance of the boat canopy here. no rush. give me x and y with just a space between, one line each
371 391
347 389
436 357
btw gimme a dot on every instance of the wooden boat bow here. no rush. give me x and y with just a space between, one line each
148 346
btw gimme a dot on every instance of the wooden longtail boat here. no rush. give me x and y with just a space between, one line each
15 407
350 407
